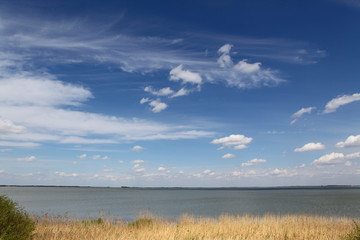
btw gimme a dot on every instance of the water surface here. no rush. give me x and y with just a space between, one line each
128 203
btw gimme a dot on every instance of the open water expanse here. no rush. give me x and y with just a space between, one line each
128 203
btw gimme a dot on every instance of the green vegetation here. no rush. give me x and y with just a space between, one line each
93 222
141 222
15 223
355 234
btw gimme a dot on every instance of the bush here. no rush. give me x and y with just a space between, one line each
355 234
92 222
141 222
15 223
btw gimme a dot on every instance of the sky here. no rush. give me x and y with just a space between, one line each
180 93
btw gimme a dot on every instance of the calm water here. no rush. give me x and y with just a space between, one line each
127 204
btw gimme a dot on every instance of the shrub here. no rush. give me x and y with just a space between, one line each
141 222
355 234
92 222
15 223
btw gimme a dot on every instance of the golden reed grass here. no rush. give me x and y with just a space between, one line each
274 227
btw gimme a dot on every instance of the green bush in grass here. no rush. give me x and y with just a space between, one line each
15 223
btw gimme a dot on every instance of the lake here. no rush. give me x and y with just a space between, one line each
128 203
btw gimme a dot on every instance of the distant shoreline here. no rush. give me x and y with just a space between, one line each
318 187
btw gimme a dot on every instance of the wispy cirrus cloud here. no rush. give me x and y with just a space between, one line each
301 112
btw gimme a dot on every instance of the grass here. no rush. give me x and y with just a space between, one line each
190 227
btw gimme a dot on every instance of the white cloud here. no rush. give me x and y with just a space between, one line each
83 156
137 161
253 162
18 144
237 141
310 147
225 61
225 49
80 140
335 158
96 157
353 156
242 74
40 91
302 111
63 174
348 163
138 168
161 169
137 148
337 102
27 159
247 68
329 159
7 126
293 121
351 141
144 100
105 158
181 92
157 106
162 92
228 155
186 76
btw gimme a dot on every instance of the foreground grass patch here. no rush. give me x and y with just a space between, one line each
189 227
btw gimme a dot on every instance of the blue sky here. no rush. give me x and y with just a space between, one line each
186 93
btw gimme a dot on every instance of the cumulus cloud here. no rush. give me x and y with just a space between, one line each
27 159
352 156
351 141
185 76
83 156
138 168
243 74
228 155
157 106
162 92
96 157
337 102
310 147
335 158
236 141
7 126
329 159
161 169
137 148
253 162
137 161
105 158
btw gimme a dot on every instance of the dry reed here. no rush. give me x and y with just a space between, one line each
190 227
